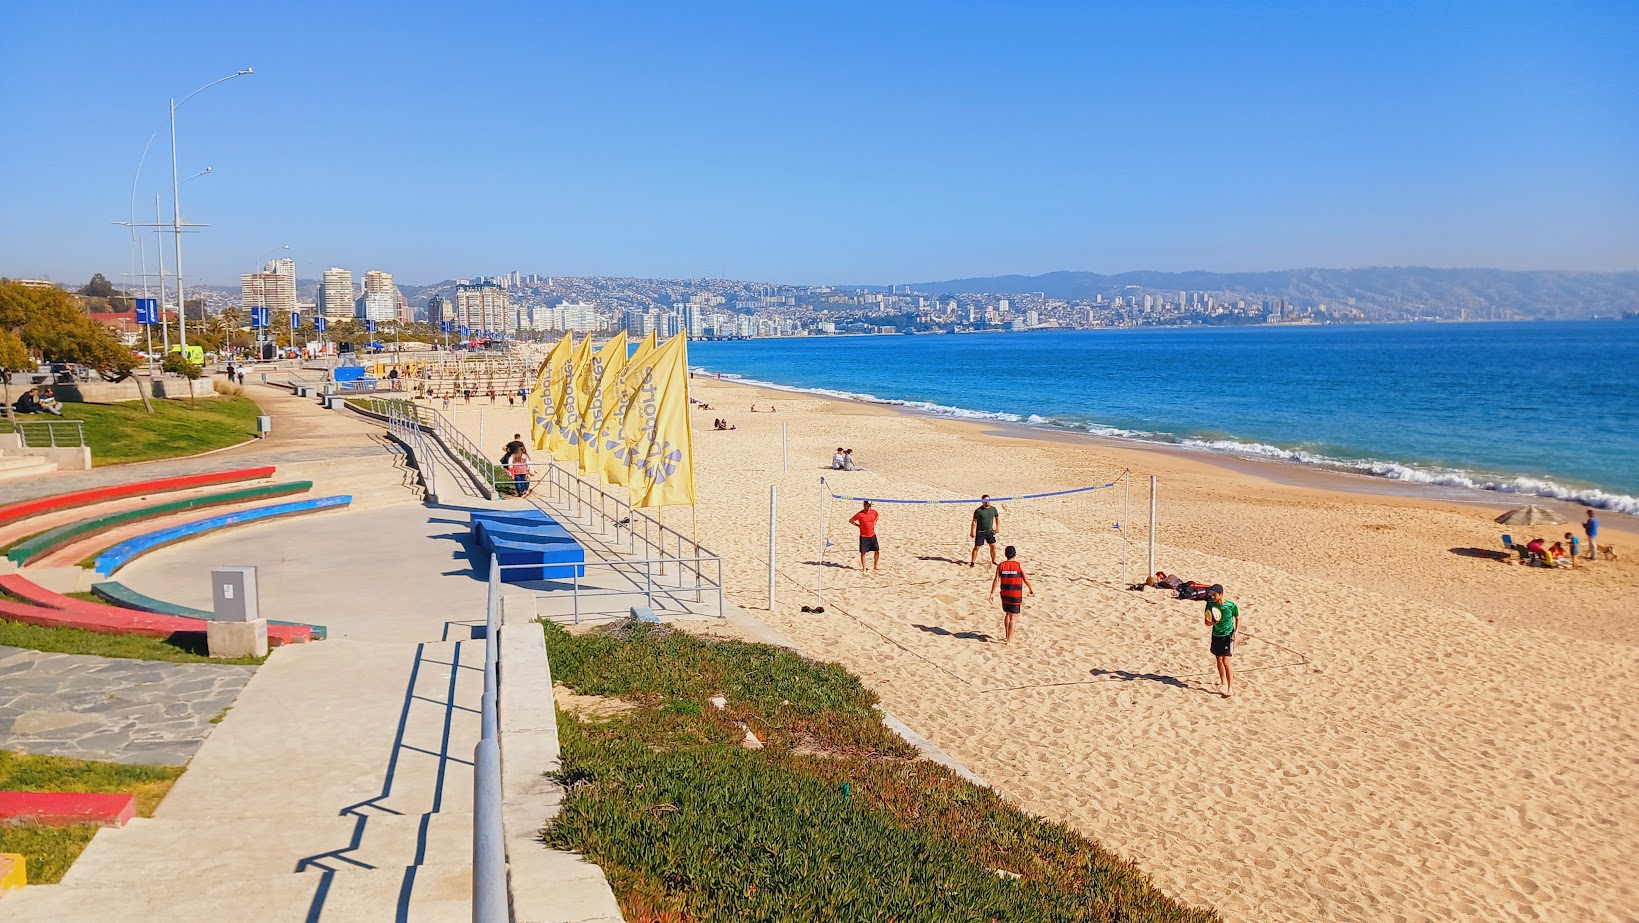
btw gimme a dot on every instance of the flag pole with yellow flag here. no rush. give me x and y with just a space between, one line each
608 366
659 443
542 400
611 428
566 413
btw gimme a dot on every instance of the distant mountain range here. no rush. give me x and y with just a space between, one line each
1542 293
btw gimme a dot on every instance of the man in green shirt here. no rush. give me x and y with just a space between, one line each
1222 614
986 523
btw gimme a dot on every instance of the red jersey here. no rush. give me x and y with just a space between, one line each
866 520
1012 574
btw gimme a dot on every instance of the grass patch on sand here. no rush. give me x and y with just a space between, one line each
51 850
125 432
833 818
182 647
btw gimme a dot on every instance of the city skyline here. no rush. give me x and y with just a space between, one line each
850 146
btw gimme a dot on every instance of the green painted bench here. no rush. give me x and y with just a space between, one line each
123 596
52 539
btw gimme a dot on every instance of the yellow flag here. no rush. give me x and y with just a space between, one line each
542 402
659 445
608 365
566 413
611 428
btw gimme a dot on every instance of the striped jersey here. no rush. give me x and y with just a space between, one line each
1012 574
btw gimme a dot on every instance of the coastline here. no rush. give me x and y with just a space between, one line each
1275 470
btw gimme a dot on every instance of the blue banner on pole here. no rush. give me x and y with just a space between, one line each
259 318
462 330
320 324
147 310
295 320
370 326
445 325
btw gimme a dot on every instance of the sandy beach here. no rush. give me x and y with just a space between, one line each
1418 733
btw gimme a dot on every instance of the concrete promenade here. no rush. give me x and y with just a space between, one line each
339 786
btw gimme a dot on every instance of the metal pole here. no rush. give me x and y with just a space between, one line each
1152 526
164 328
785 456
176 226
819 582
1126 520
772 499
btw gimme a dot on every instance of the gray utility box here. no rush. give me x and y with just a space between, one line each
264 425
233 594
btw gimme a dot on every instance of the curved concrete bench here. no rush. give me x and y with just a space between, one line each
124 597
111 621
46 542
22 588
127 551
38 505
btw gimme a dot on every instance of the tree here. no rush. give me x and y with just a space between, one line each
98 287
49 321
14 357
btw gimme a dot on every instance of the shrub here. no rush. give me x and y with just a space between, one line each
835 818
177 364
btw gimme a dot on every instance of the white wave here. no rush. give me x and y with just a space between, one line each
1437 477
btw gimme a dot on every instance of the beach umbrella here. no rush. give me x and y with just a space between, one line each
1532 515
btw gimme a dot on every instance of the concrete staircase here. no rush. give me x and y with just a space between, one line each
355 809
23 466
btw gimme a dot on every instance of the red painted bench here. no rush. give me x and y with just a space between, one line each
60 809
55 502
53 610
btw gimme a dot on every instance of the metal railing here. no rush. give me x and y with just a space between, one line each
49 434
408 428
489 873
645 577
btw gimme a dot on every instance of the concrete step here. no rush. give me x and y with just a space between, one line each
270 846
440 893
22 466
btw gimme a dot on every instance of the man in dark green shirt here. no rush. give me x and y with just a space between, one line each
1222 615
986 523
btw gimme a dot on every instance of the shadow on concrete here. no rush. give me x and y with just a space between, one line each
335 860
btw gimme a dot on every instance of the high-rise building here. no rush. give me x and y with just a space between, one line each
336 293
481 305
273 288
380 299
439 309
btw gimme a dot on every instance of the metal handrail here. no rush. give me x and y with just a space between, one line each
650 588
73 434
489 872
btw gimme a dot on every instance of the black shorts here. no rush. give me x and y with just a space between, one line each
868 544
984 537
1223 646
1012 608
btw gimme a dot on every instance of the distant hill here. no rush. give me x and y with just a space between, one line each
1537 293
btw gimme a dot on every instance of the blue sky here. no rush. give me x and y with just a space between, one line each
835 142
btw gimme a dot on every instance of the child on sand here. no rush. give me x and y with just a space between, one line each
1010 579
1221 614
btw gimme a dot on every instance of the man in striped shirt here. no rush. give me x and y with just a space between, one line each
1010 579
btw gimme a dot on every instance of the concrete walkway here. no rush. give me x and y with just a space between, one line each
120 711
339 786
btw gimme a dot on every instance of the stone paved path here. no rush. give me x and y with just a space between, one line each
121 711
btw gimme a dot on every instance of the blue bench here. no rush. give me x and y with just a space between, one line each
127 551
529 545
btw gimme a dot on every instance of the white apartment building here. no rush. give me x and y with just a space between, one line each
273 288
481 305
336 293
380 300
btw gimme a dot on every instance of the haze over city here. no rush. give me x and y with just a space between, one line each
853 144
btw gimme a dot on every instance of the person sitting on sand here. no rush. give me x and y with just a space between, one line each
1557 554
1538 551
848 461
838 461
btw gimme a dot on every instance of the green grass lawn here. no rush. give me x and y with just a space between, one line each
125 432
835 818
51 850
182 648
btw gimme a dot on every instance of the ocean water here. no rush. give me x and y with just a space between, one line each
1543 409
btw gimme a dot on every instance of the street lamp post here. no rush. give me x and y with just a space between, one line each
176 211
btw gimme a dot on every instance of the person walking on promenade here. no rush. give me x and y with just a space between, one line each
1010 579
986 523
865 521
1591 526
517 465
1221 614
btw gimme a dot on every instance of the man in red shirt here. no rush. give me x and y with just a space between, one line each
865 521
1010 579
